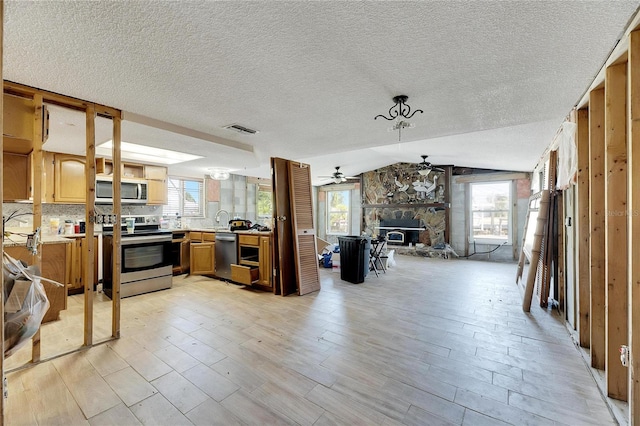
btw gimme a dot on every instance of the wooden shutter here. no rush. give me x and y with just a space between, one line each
304 237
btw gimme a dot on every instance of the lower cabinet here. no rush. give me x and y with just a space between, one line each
265 262
202 253
180 252
244 274
79 258
254 267
54 267
254 261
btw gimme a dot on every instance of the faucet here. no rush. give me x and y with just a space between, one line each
218 216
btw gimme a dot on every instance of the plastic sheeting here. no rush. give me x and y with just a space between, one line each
565 144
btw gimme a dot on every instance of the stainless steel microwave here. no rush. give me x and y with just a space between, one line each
132 191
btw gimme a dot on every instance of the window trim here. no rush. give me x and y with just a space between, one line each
328 212
492 240
202 203
264 188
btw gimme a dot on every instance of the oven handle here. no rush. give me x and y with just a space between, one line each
147 239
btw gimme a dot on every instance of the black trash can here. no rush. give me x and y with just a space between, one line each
353 254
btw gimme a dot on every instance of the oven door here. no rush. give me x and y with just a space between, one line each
144 253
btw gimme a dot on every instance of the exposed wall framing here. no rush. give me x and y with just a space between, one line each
92 111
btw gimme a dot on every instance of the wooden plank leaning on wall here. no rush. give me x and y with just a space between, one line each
597 223
633 150
616 296
582 213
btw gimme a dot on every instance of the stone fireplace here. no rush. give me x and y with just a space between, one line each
397 196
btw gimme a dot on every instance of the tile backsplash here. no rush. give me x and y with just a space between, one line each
73 212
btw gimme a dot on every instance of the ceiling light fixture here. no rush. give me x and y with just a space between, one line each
425 167
132 151
218 174
399 112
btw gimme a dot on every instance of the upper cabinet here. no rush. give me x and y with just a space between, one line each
69 180
19 118
157 187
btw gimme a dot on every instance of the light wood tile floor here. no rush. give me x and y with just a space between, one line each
431 342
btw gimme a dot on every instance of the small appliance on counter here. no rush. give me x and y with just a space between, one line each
239 224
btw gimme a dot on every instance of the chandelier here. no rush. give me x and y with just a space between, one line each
216 173
400 112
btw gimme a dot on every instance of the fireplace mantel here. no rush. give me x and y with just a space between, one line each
407 205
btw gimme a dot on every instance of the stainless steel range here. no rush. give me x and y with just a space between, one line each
146 263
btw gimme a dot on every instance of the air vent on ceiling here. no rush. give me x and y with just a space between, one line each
241 129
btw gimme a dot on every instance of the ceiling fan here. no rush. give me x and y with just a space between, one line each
338 176
426 167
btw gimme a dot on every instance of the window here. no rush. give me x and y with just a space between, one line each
338 216
185 198
491 212
264 204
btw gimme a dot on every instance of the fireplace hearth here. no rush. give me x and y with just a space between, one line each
401 231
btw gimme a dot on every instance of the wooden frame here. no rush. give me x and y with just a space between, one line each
633 154
616 296
597 225
583 226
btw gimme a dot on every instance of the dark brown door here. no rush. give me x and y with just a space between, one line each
304 234
285 279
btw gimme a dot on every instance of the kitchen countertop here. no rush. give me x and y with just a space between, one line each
19 240
248 232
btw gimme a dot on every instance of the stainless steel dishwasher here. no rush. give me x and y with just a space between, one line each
226 253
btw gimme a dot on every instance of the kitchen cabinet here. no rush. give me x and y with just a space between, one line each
202 253
16 175
17 146
128 170
54 267
157 186
180 250
78 259
69 184
18 117
265 262
254 261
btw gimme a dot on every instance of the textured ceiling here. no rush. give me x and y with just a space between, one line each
495 78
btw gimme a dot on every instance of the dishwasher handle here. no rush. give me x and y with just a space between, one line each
226 238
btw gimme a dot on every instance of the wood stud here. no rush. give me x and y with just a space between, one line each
633 157
597 225
583 226
616 265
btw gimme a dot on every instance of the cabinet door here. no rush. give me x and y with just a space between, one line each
157 189
155 172
157 192
18 117
70 185
185 256
265 261
202 258
16 177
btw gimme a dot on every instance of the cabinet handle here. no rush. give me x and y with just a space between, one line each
281 218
